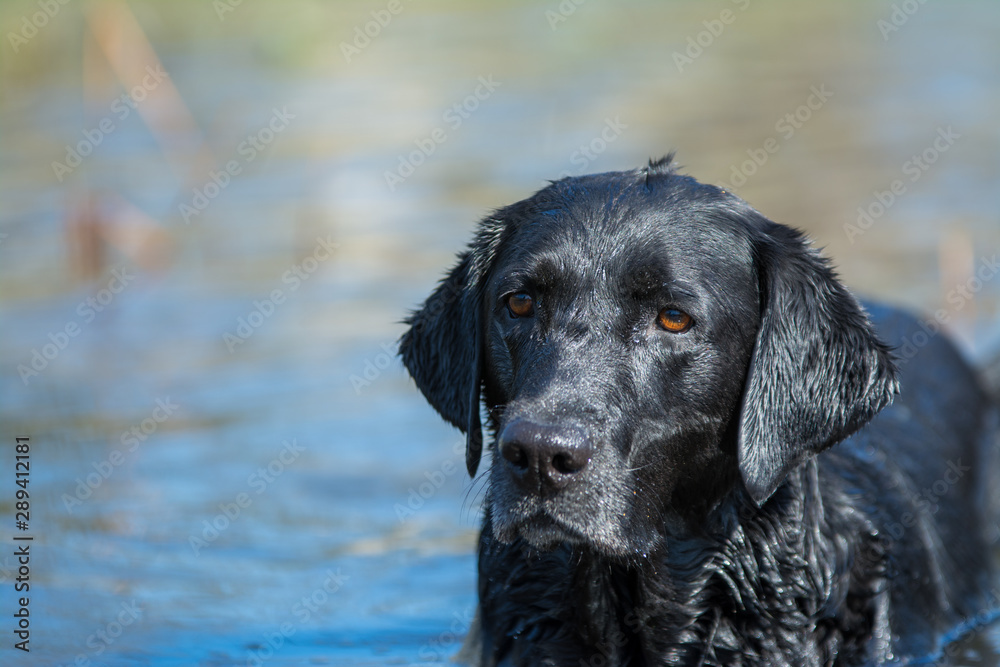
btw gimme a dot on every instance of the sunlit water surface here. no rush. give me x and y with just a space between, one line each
300 503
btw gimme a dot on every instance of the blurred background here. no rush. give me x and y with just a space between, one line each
215 213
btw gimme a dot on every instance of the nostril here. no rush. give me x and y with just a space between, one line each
543 454
567 464
514 453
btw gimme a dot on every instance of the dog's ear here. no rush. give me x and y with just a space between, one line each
818 371
442 350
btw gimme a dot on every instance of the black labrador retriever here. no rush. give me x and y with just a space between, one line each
662 367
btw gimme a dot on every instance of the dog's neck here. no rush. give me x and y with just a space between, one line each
777 572
708 595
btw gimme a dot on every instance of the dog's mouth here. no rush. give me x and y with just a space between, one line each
539 529
549 502
544 532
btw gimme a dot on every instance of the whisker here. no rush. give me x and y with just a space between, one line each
642 467
476 488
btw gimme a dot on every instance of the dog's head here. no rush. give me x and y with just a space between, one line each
645 345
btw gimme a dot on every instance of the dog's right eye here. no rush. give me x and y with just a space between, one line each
674 321
520 305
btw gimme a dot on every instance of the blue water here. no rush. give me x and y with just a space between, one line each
290 498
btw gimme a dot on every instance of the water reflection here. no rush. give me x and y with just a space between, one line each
123 524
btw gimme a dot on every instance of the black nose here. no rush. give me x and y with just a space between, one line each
542 457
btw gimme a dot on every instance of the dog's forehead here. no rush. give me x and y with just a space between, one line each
622 241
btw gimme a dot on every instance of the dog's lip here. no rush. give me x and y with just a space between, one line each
543 527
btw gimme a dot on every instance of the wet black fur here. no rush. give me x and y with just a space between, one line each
710 526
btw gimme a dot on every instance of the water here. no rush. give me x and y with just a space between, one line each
269 509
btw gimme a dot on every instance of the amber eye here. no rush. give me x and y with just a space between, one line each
674 321
520 305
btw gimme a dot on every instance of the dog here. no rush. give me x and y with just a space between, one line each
665 374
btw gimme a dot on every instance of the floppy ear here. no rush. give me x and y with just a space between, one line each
442 351
818 372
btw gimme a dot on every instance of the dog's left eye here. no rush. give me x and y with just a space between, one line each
674 321
521 305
